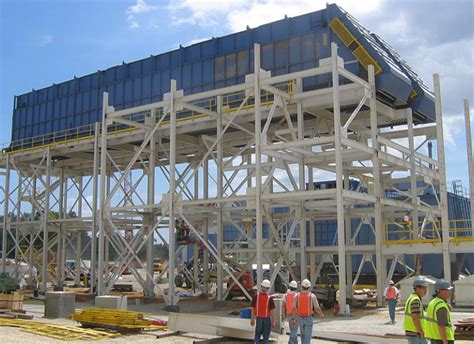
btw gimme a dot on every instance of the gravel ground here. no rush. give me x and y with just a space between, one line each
367 321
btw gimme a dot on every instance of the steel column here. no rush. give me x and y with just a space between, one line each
442 178
95 186
101 289
172 191
220 194
150 216
470 159
6 203
380 261
341 249
44 266
258 165
413 186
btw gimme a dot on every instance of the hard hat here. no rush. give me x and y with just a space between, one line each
293 284
420 281
265 284
443 284
391 282
306 284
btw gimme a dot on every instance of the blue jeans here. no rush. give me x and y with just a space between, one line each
263 327
392 303
417 340
293 331
306 329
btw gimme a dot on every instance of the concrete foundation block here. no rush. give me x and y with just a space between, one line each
111 301
59 304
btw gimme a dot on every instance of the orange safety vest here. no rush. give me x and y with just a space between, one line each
391 294
305 305
290 299
261 305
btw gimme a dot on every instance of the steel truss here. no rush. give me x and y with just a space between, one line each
246 157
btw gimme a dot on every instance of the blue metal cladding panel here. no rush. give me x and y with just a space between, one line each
288 45
423 101
392 81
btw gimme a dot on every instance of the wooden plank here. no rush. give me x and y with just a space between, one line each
19 315
7 316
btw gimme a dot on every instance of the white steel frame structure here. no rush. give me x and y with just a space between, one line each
234 156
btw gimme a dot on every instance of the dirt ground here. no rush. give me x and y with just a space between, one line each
367 321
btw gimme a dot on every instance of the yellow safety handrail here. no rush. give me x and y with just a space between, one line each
460 230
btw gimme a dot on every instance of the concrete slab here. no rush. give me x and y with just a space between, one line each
59 304
111 301
212 325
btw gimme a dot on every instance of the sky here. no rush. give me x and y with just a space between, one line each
49 41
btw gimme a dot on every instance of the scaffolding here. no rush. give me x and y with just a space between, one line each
247 156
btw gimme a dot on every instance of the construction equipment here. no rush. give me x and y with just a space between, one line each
326 296
280 283
182 232
158 264
7 283
246 279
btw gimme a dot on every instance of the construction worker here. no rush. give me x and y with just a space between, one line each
391 295
287 311
304 307
439 329
262 311
413 322
408 224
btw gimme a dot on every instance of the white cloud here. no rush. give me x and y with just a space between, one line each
132 23
261 12
203 13
140 8
237 14
452 126
45 40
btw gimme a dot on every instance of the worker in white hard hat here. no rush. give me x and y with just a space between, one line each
263 307
304 307
287 311
391 295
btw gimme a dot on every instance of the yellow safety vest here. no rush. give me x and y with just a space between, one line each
431 328
408 323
